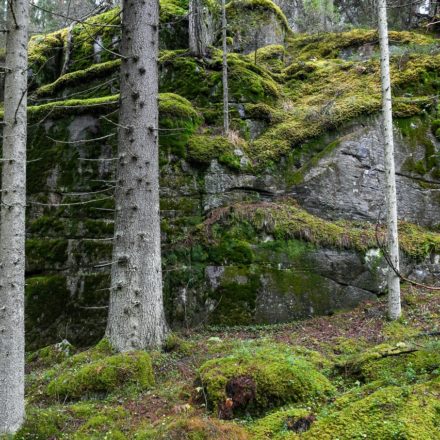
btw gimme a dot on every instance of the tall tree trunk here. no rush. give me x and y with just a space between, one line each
394 306
197 43
12 221
225 71
136 315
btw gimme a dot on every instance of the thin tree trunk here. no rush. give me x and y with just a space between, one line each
225 72
12 221
136 314
394 306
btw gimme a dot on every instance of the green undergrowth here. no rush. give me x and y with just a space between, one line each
94 372
382 387
391 412
265 377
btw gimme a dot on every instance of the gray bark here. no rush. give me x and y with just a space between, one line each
225 72
394 306
197 43
12 221
136 314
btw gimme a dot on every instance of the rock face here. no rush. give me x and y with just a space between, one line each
262 262
347 182
69 248
255 24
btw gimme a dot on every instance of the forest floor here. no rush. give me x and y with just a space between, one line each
352 375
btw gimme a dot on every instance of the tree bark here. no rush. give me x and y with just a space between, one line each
225 71
12 221
197 43
136 314
394 305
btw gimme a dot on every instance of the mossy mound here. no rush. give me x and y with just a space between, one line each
178 120
50 355
195 428
200 79
389 413
79 421
252 380
281 424
239 7
395 364
77 377
204 148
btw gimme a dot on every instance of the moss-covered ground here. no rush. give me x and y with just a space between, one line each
353 375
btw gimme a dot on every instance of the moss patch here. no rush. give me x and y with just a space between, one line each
286 220
104 376
392 412
261 378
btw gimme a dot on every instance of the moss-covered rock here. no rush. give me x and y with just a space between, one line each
286 220
104 376
393 364
282 424
79 421
50 355
391 412
254 380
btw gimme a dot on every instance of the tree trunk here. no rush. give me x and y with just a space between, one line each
394 306
225 72
197 44
136 314
12 221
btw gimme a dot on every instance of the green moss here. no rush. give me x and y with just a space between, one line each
81 421
84 34
45 54
232 251
286 220
50 355
329 45
406 368
271 57
277 425
178 120
104 376
45 253
42 424
201 81
94 72
279 376
204 148
176 344
389 413
236 296
240 7
172 8
41 291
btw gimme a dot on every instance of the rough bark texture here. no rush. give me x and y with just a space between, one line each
394 306
197 37
225 72
136 315
12 222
